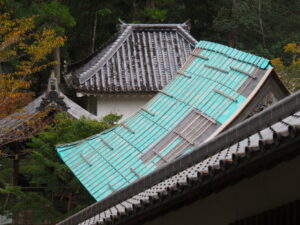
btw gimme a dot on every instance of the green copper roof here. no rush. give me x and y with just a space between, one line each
210 87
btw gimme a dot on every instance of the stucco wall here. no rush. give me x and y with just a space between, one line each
126 105
264 191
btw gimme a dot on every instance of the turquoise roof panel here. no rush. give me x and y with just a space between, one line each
207 91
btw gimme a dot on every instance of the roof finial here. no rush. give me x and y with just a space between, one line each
121 21
65 66
52 82
121 25
187 25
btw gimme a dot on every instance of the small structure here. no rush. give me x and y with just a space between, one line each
26 123
126 73
216 88
246 175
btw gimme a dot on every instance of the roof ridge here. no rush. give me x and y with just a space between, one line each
184 32
240 55
182 29
184 26
157 25
73 65
85 75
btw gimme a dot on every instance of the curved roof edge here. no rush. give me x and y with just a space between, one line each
286 110
92 63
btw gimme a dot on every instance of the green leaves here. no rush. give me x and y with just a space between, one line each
111 119
55 15
104 12
51 191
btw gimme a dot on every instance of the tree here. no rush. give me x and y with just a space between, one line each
261 27
23 52
288 67
100 12
56 16
47 187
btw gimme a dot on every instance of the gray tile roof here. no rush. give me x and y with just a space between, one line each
143 58
259 135
14 127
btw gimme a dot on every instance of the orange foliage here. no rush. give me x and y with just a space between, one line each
23 51
289 71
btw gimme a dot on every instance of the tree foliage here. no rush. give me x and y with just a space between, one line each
48 189
23 52
288 67
28 33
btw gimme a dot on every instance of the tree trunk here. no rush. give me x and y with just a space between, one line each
261 24
94 33
16 168
233 36
69 202
189 11
134 5
150 4
15 178
56 53
1 71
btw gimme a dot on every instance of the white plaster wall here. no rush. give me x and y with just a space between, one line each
126 105
265 191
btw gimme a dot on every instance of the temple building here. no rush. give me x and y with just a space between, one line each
127 72
246 175
215 89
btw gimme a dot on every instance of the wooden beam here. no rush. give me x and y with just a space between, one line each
226 95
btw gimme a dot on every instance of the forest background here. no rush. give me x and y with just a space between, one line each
268 28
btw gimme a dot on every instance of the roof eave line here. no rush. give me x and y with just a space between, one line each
83 77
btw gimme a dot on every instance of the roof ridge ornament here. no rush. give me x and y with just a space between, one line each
52 83
121 25
52 96
187 25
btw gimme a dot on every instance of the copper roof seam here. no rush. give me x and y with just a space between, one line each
216 68
108 145
243 72
165 93
147 111
126 127
200 56
183 74
159 155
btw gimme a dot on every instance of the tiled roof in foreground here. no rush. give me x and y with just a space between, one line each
274 131
214 85
143 58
